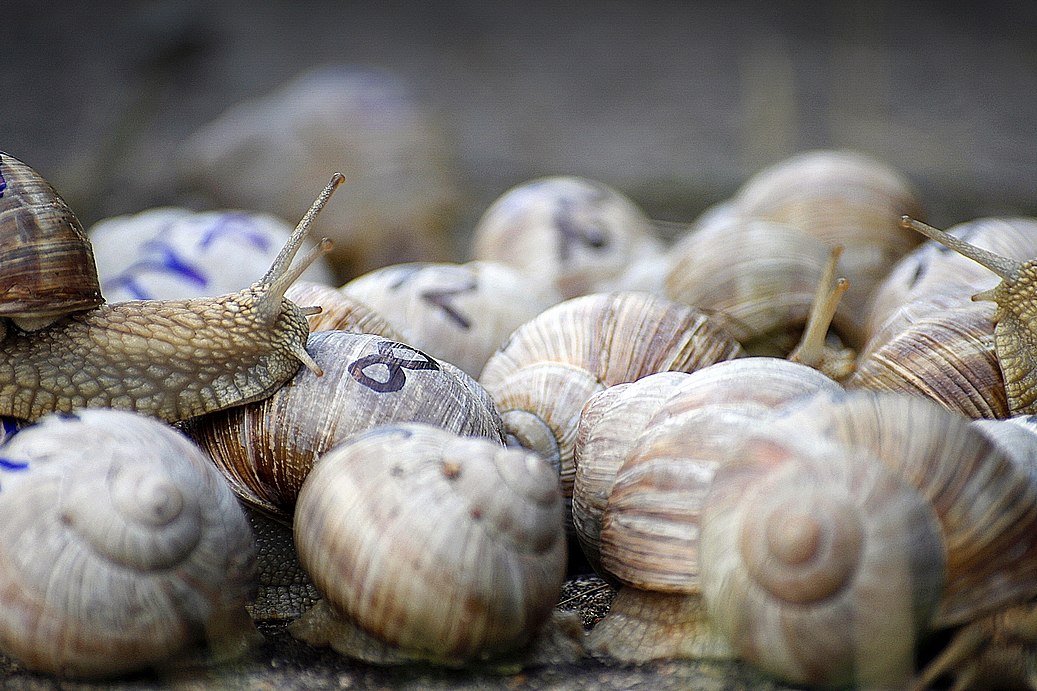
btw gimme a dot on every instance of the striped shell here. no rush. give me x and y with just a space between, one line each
433 545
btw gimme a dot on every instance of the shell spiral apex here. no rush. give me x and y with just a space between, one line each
122 544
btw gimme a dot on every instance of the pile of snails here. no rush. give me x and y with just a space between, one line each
429 432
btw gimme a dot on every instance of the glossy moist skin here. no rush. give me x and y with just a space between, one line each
170 359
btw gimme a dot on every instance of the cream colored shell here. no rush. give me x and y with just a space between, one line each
437 546
339 311
575 234
460 313
122 547
818 563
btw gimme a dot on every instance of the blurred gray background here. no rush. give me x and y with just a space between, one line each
675 103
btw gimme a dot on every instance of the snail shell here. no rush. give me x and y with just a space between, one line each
762 275
575 234
171 253
986 503
436 546
460 313
845 199
818 564
122 546
550 366
48 264
267 448
339 311
946 355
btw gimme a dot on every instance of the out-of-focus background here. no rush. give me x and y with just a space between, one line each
675 103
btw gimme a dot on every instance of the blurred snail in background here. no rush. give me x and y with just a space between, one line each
269 152
170 253
429 545
169 359
339 311
122 548
460 313
578 235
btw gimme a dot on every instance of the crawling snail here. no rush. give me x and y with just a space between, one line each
169 359
1014 331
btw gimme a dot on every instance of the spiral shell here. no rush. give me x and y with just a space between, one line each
818 564
846 199
121 546
48 263
442 547
575 234
460 313
545 373
986 503
266 448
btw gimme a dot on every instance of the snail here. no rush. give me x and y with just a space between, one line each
819 564
266 448
169 359
645 454
123 548
578 235
460 313
843 198
760 274
551 365
1013 317
429 545
266 153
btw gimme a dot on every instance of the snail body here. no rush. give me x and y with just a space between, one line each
122 547
169 359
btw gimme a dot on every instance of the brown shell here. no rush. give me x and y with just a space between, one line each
339 311
442 547
604 339
649 522
946 355
986 504
266 448
48 264
846 199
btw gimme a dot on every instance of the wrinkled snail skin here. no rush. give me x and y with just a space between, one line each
433 545
123 549
168 359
